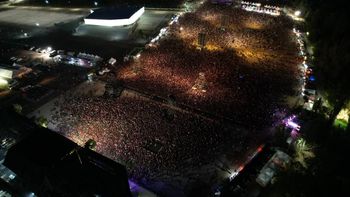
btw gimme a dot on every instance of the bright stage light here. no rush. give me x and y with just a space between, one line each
290 123
297 13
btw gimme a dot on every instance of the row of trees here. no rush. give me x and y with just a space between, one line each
328 26
99 3
320 164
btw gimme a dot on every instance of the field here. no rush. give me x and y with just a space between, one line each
32 17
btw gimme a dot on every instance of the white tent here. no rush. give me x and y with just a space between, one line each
6 74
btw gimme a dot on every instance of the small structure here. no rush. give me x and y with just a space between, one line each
201 40
112 61
201 83
277 162
6 73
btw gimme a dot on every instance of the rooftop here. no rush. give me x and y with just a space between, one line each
111 13
49 163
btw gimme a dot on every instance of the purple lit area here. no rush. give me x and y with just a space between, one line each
137 190
291 122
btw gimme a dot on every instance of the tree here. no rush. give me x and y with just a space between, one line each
91 144
303 152
329 29
17 108
42 121
327 174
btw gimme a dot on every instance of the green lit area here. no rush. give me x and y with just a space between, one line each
342 118
341 123
3 84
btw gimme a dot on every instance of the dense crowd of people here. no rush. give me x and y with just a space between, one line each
249 62
149 137
247 66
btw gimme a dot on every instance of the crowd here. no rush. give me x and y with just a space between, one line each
247 66
249 62
125 127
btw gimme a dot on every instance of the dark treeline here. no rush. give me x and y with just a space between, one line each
328 25
328 173
91 3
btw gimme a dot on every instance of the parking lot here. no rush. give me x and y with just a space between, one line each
64 29
37 17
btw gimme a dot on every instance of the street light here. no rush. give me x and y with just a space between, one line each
297 13
31 194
